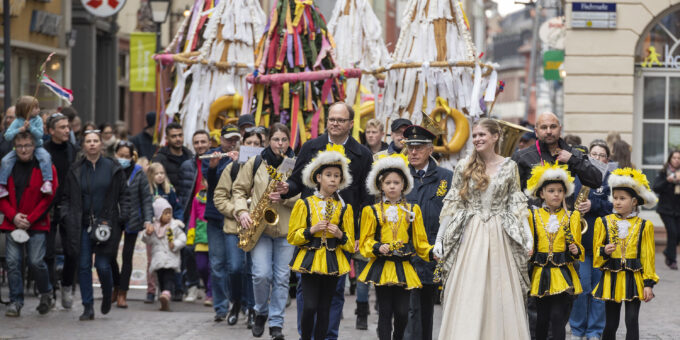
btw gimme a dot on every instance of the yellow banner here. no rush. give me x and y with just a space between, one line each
142 66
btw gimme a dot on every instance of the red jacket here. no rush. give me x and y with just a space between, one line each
34 203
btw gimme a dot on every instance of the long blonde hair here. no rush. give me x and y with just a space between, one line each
475 170
154 168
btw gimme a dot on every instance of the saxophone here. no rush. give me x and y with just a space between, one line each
582 197
263 212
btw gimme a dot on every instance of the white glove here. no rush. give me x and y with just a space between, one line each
438 250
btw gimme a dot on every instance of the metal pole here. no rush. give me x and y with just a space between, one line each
531 77
480 26
8 53
158 37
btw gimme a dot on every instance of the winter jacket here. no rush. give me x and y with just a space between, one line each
33 203
144 144
72 209
188 179
600 206
172 163
161 255
213 177
429 192
669 201
138 199
246 187
578 164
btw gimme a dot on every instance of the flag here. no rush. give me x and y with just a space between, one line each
59 90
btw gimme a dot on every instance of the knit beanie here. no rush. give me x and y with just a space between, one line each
159 205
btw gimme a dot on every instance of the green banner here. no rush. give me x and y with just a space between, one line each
142 66
552 60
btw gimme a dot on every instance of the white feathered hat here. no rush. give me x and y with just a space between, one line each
397 162
636 181
549 173
333 156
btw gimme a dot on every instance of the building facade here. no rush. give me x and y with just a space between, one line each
627 80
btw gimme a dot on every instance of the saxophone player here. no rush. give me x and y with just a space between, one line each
270 273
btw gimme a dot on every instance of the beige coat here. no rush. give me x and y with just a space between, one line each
246 187
224 202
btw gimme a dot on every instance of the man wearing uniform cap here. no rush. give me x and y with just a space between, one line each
398 127
430 185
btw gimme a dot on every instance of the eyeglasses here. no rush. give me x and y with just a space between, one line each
92 131
338 120
598 155
24 146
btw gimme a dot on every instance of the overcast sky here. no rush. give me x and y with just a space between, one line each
507 6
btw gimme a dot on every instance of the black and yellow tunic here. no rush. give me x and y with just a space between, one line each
405 238
320 253
553 270
624 277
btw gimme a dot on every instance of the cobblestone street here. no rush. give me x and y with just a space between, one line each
659 319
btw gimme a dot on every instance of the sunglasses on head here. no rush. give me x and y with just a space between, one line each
256 129
93 131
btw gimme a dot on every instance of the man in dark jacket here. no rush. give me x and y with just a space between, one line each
26 221
217 240
174 154
553 148
63 154
189 185
340 123
430 185
143 141
397 127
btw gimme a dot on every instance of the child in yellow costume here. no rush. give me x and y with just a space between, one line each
392 232
557 244
623 246
322 228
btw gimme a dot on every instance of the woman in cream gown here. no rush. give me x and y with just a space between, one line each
483 245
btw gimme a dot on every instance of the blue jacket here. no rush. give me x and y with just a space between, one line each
213 176
428 195
599 206
36 129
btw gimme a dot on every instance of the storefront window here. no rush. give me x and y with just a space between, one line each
655 95
27 81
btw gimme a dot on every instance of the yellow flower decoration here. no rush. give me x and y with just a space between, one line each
397 155
339 148
637 176
538 171
443 186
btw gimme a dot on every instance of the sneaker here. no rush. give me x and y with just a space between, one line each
150 297
3 191
192 294
66 297
220 317
13 310
276 333
45 303
165 301
208 301
46 188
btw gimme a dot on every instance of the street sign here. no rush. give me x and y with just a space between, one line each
596 15
552 60
103 8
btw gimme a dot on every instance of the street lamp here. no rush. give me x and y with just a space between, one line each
159 13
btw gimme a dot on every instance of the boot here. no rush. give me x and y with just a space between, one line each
362 315
165 300
66 297
258 327
251 318
114 295
107 300
122 299
275 333
88 313
233 314
45 303
192 294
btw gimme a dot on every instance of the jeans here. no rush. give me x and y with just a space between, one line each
35 248
336 308
103 265
43 157
270 277
587 316
218 253
238 271
362 288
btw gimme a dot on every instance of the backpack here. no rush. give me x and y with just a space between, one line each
235 168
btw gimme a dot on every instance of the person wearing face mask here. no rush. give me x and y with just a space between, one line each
139 200
63 154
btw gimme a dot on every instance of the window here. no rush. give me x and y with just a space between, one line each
660 119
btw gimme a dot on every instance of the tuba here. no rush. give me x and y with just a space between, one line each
263 214
510 135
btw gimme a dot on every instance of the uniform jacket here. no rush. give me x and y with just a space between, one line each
429 192
223 201
34 203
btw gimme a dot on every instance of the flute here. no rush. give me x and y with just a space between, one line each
214 155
